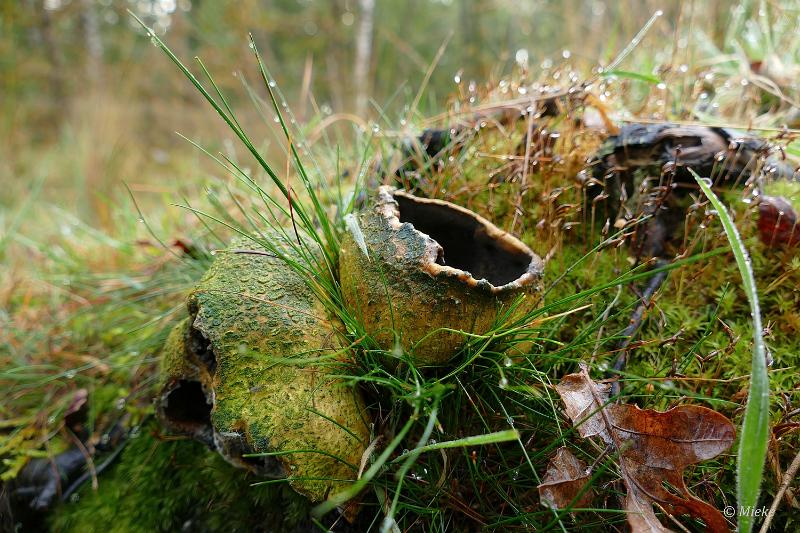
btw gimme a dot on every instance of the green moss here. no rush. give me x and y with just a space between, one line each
174 485
785 188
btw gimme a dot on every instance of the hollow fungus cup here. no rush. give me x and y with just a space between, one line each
421 272
251 370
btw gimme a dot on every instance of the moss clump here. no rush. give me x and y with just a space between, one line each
260 347
788 189
169 485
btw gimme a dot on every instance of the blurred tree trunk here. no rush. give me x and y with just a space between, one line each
92 38
42 33
366 22
337 83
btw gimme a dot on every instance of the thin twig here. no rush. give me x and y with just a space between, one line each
787 480
636 320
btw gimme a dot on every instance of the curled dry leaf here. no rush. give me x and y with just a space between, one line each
564 481
653 448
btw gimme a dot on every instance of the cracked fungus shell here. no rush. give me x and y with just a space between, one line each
415 267
228 378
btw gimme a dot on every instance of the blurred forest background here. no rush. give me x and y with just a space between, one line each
88 103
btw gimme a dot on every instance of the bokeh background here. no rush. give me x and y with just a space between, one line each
88 103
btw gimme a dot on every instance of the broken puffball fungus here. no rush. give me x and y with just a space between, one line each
240 375
420 268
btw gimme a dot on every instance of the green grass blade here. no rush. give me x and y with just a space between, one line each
342 497
630 75
476 440
755 428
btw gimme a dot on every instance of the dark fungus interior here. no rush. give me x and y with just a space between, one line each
464 241
186 406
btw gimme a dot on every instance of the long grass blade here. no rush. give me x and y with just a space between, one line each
755 428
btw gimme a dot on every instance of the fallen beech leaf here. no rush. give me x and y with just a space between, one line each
565 478
653 448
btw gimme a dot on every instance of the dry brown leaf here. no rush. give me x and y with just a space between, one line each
653 447
565 479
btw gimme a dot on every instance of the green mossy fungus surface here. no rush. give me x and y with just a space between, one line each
179 485
176 361
276 353
396 300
